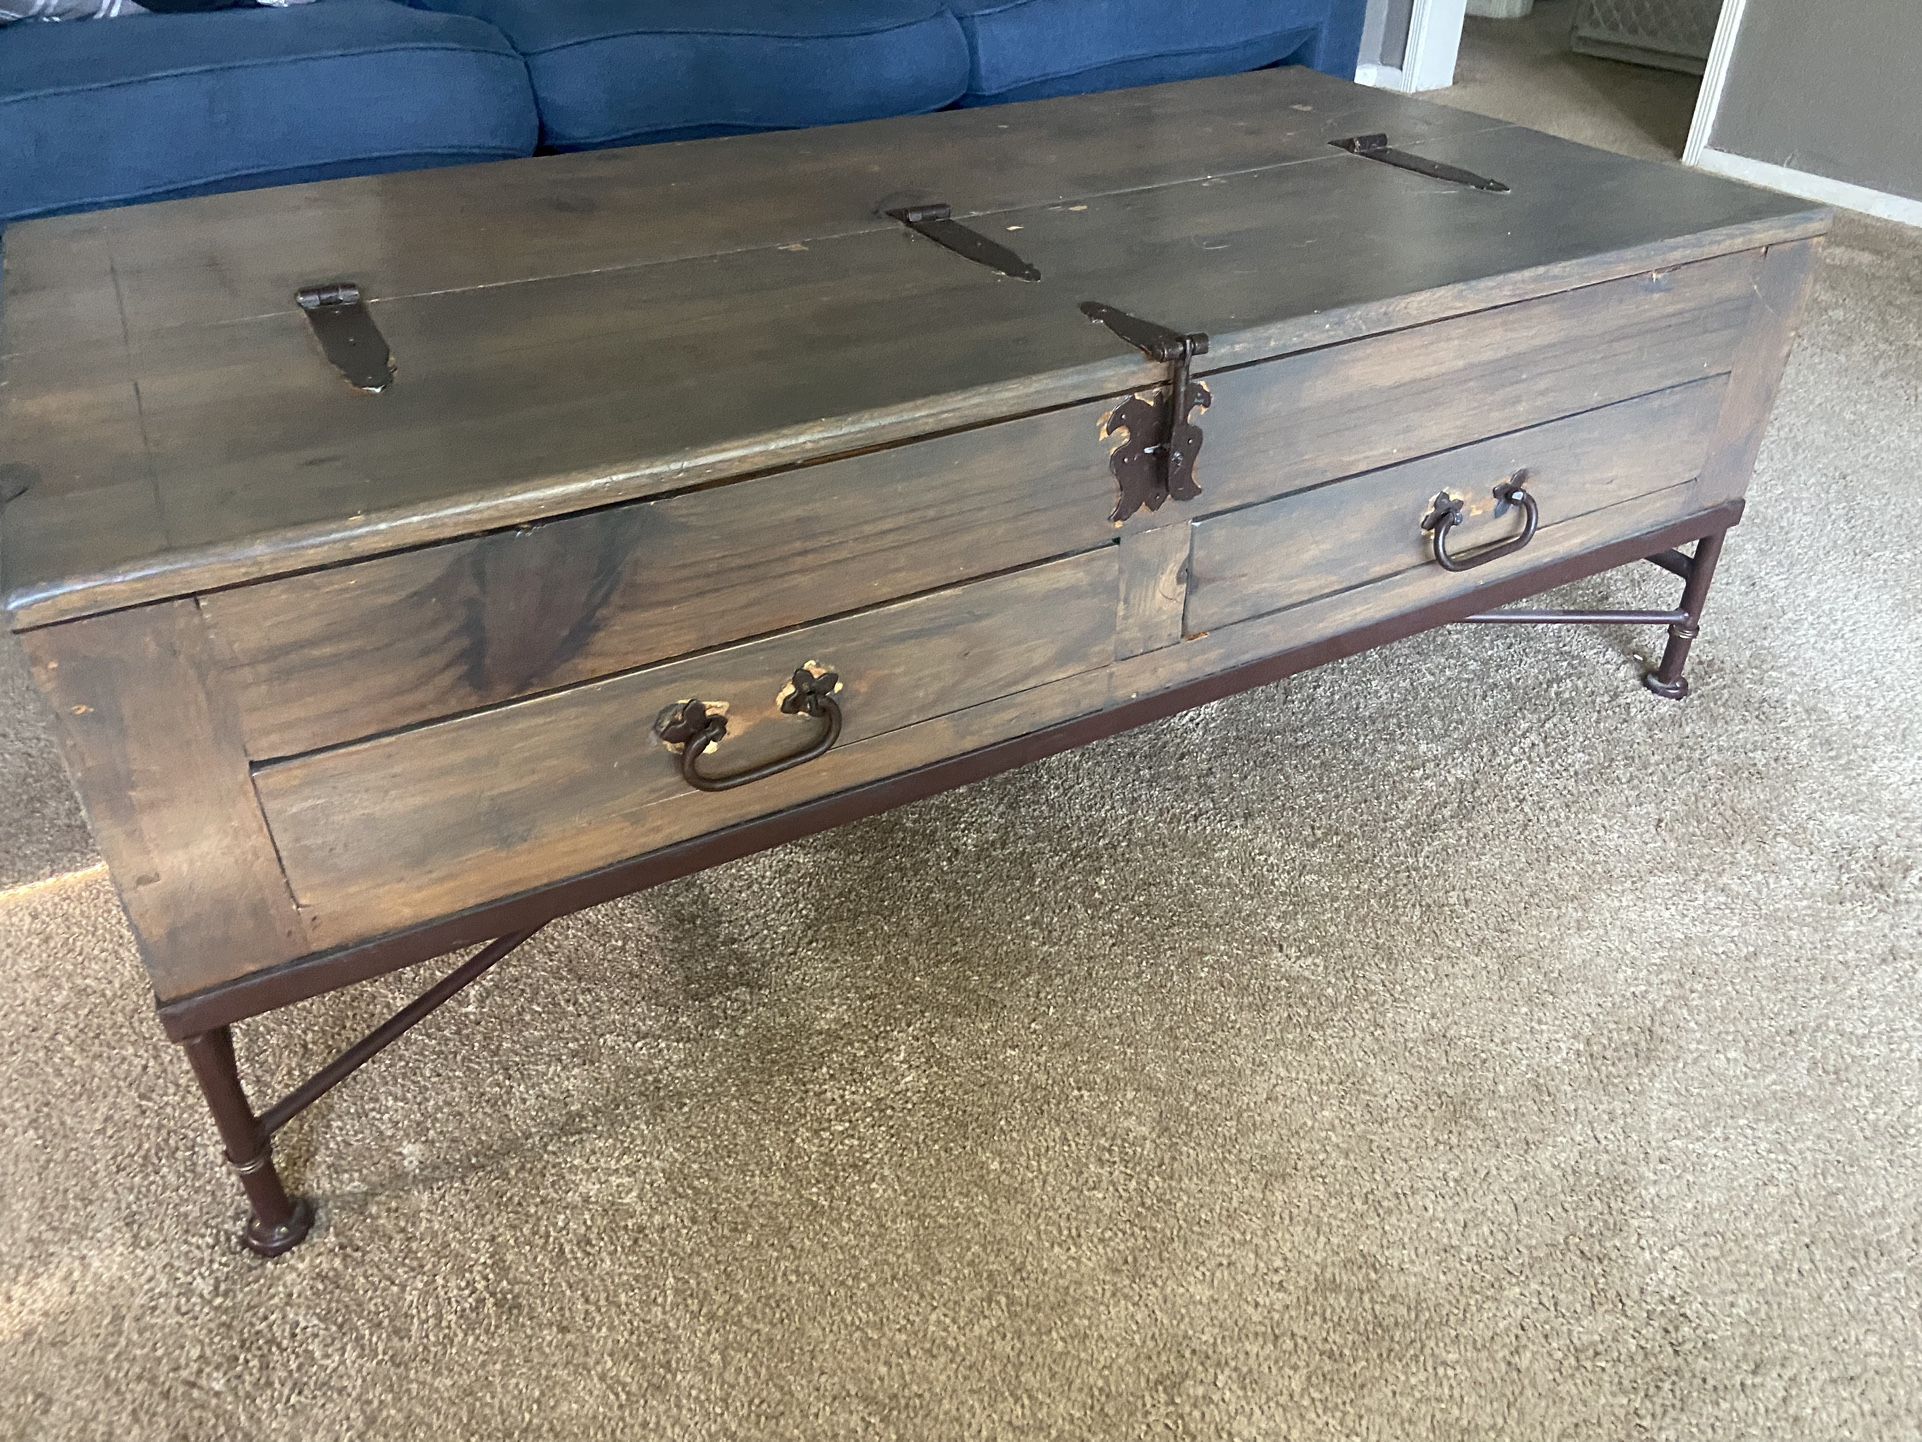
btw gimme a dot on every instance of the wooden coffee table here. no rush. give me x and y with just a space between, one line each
412 560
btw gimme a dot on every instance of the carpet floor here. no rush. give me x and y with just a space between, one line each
1453 1043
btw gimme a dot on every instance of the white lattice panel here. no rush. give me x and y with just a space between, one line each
1673 33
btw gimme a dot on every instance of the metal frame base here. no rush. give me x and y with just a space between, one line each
1684 623
277 1222
203 1024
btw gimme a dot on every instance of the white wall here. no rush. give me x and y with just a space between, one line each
1821 98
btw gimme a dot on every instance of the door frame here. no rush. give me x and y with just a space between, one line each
1806 184
1434 42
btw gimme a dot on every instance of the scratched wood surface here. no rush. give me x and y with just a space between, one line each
243 455
224 258
411 826
1267 557
155 753
671 424
475 622
1782 283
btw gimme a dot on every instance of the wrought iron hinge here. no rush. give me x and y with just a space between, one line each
936 221
1157 463
348 335
1376 147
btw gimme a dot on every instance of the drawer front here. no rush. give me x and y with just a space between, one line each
317 660
381 834
337 655
1350 533
1289 423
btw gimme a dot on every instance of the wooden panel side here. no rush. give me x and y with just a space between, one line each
390 832
1327 616
1353 408
157 758
1281 553
1154 588
458 627
1781 294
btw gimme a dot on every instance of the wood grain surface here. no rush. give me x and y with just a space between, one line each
533 396
157 758
388 832
469 624
1268 557
1781 292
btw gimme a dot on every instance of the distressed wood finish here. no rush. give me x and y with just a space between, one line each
1268 557
155 753
1781 291
337 672
467 625
531 396
486 620
1421 590
236 257
1154 588
1353 408
389 832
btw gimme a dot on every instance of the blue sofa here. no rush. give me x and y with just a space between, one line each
146 107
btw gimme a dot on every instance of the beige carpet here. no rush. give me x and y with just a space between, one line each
1457 1043
1522 70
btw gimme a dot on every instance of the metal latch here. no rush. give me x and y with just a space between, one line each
1376 147
1157 463
936 221
347 334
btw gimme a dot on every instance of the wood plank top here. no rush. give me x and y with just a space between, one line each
576 331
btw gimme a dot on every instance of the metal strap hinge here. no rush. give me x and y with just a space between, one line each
347 334
1376 147
936 221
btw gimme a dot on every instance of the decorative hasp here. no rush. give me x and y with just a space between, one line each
936 221
1150 470
1156 463
347 334
1376 147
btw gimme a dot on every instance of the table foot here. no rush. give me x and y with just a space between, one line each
1668 680
272 1241
276 1222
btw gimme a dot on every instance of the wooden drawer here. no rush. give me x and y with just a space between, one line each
346 653
1351 533
380 834
1289 423
335 655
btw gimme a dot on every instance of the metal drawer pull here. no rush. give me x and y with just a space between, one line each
1447 514
696 729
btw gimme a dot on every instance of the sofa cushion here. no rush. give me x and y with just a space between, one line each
617 72
151 106
1027 49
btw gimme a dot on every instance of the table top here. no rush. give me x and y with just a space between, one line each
574 331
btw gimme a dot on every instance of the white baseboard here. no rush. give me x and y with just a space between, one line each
1810 186
1384 77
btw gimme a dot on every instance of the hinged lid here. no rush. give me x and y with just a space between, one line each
573 331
